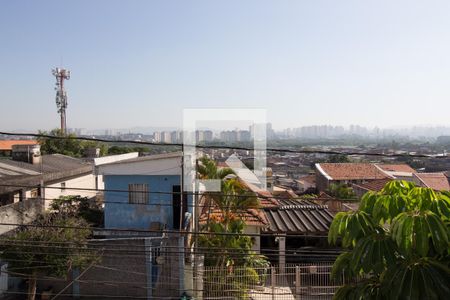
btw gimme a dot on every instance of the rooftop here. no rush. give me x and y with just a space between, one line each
373 185
146 158
52 167
251 216
299 216
51 163
311 179
350 171
6 145
436 181
396 168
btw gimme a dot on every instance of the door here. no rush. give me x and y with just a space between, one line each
178 216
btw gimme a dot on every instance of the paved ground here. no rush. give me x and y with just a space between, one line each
281 293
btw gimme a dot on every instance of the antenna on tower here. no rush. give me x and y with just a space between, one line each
61 94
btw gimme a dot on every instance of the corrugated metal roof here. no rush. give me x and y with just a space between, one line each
52 167
49 164
9 169
294 216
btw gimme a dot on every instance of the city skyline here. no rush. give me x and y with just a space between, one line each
296 132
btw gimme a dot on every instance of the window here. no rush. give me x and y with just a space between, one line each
138 193
34 193
63 186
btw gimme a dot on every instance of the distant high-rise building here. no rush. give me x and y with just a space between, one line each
243 136
176 136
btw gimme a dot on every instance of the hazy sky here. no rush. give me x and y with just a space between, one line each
139 63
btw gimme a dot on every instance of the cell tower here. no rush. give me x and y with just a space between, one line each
61 94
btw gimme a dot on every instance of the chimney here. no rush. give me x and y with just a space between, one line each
27 153
92 152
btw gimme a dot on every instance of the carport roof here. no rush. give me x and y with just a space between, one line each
298 217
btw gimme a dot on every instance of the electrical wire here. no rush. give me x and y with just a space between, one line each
114 253
130 245
165 231
180 232
251 193
304 151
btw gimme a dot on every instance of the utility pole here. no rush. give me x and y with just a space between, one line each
61 94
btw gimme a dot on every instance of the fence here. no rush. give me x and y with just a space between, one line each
292 282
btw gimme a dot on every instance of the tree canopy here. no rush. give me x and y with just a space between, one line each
67 144
53 245
341 191
397 244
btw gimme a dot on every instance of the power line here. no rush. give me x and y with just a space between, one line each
301 151
251 193
180 232
38 245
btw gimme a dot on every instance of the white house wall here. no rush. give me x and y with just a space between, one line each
53 191
162 166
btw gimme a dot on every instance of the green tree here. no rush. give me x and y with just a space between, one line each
67 144
79 207
113 150
338 158
397 245
207 169
93 144
228 223
51 247
341 191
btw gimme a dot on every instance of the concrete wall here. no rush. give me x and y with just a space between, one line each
53 191
19 213
322 182
119 213
128 268
250 229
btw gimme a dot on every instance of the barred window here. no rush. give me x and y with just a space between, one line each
138 193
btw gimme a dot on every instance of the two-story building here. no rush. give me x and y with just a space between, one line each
142 200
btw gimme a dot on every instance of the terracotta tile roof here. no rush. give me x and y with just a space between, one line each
283 193
351 206
373 185
268 202
222 164
324 195
436 181
253 217
255 189
350 171
396 168
311 179
7 144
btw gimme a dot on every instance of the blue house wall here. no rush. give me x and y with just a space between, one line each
119 213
